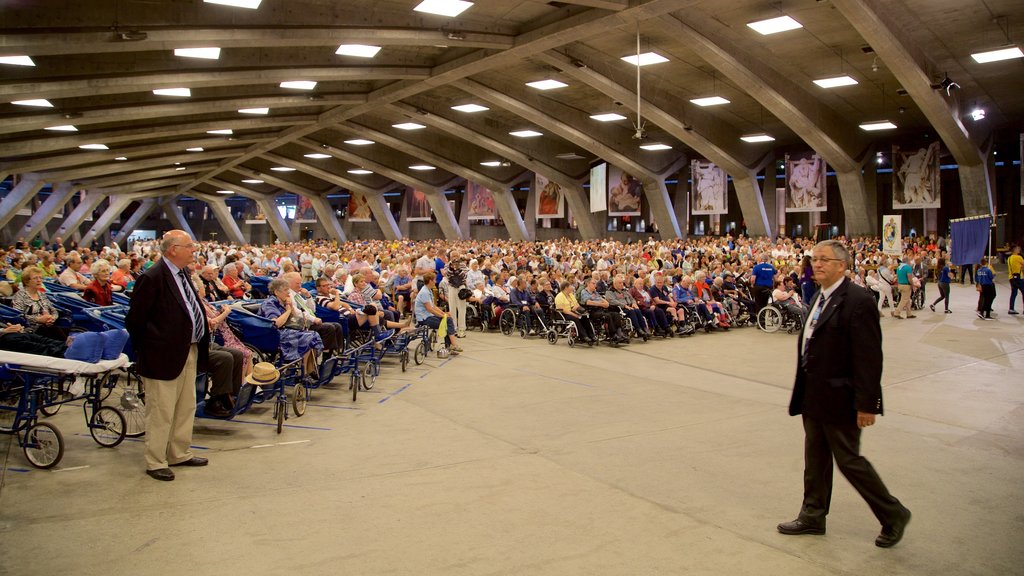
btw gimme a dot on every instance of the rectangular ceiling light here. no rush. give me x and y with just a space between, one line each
526 133
316 156
757 138
195 149
224 131
357 50
282 169
450 8
491 163
470 108
360 172
422 167
41 103
655 147
546 84
569 156
997 55
610 117
224 192
775 25
408 126
251 4
254 110
93 147
65 128
835 81
121 158
880 125
17 60
645 59
710 101
179 168
252 181
359 142
204 53
173 92
299 84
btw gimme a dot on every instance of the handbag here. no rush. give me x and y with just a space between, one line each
465 293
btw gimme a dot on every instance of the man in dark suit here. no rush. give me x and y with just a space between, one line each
171 339
838 391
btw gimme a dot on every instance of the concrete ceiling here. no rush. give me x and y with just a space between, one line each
97 62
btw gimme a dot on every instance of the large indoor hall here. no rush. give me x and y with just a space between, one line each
511 287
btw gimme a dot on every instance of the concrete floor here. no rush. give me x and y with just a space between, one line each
670 457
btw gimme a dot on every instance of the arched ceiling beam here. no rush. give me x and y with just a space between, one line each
129 166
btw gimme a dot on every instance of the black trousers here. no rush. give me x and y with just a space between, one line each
28 343
225 368
760 295
822 443
985 298
331 334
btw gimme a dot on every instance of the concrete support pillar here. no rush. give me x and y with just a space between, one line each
748 192
591 224
113 211
174 214
661 208
140 214
277 223
855 201
403 221
386 220
19 197
37 223
220 210
506 205
327 217
530 220
464 222
443 212
681 201
768 197
871 199
71 223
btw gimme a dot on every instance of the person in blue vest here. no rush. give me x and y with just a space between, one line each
986 279
764 281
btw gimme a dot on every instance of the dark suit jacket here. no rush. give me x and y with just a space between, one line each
842 373
160 325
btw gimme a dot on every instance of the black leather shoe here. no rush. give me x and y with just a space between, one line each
798 527
164 474
891 535
194 461
216 410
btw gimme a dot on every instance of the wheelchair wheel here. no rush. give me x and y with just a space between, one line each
43 445
507 322
281 409
300 396
107 426
404 357
552 337
522 332
769 319
132 404
420 353
354 383
370 375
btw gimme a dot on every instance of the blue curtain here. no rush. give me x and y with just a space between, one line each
970 238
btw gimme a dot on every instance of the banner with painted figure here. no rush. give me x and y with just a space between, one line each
892 234
598 185
481 202
916 178
550 203
418 206
304 212
253 213
359 208
708 193
805 183
623 193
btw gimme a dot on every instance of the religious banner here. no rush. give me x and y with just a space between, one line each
623 193
598 185
254 214
481 202
915 178
708 194
805 183
359 208
892 234
550 203
304 211
418 206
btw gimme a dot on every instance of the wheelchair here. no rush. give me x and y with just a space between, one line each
479 316
773 318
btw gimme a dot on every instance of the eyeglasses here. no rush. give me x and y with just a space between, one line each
822 260
190 246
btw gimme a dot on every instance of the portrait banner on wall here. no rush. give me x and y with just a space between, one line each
805 183
550 203
598 185
304 212
916 178
419 207
254 214
623 193
892 234
359 208
481 202
708 194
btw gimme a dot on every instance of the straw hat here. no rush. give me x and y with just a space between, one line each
263 374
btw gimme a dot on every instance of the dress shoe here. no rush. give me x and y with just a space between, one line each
891 535
1012 311
798 527
216 409
164 474
193 461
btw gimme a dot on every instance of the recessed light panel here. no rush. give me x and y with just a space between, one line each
470 108
360 172
316 156
204 53
121 158
251 4
65 128
181 92
299 84
224 192
526 133
835 81
422 167
252 181
359 142
645 59
39 102
610 117
775 25
254 110
491 163
450 8
179 168
93 147
710 101
546 84
17 60
195 149
224 131
283 169
881 125
757 138
357 50
408 126
655 147
997 55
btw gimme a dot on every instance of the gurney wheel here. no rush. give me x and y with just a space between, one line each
43 445
299 398
370 375
48 399
405 359
107 426
280 409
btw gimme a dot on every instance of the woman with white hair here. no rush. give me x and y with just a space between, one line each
100 290
122 275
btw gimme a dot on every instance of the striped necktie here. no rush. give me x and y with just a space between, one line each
814 320
193 306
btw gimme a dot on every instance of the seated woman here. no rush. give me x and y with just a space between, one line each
566 303
369 311
100 290
655 316
297 340
122 275
37 309
229 364
784 296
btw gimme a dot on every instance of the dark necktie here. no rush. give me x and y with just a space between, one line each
193 306
814 320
